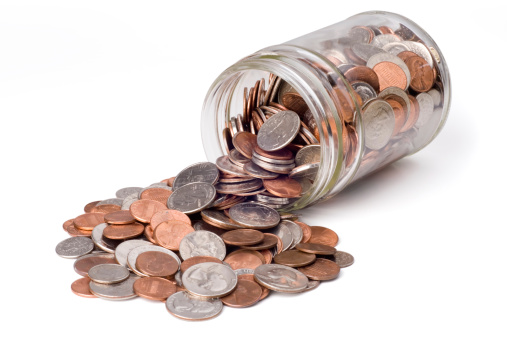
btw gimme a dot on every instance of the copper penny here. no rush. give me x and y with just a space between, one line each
315 248
83 264
148 233
405 55
168 215
307 231
170 181
170 233
105 208
156 264
400 116
156 194
81 287
321 269
247 293
89 206
250 277
196 260
386 30
67 224
127 231
245 142
390 75
243 237
269 241
268 256
75 232
294 258
364 74
88 221
283 187
119 217
421 74
244 259
154 288
294 102
143 210
414 114
282 154
322 235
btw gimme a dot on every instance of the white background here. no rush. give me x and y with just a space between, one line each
99 95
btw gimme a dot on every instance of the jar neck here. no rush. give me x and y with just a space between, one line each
314 78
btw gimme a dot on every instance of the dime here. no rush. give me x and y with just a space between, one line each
256 216
154 288
269 241
81 288
308 171
206 172
108 273
119 217
280 278
321 269
322 235
125 192
245 142
117 291
243 237
294 258
192 198
143 210
244 259
247 293
226 166
363 74
122 250
196 260
343 259
256 171
278 131
235 188
156 194
106 244
364 90
295 230
185 306
122 232
283 187
238 159
84 263
170 233
209 280
88 221
315 248
156 264
74 247
271 199
308 154
378 121
168 215
202 243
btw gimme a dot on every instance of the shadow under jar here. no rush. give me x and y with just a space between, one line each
369 90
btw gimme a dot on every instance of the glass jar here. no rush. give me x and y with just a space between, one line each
375 88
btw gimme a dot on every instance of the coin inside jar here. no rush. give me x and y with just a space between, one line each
156 264
243 237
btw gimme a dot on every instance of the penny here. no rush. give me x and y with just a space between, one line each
170 181
168 215
343 259
321 269
117 291
135 252
206 172
268 256
102 242
122 232
196 260
143 210
269 241
256 171
226 166
218 219
122 250
154 288
315 248
280 278
105 208
148 233
281 154
421 73
156 194
209 280
322 235
67 224
88 221
90 206
244 259
156 264
202 243
170 233
74 247
119 217
278 131
185 306
390 75
81 287
84 263
307 231
247 293
283 187
108 273
192 198
243 237
245 142
255 216
294 258
364 74
124 192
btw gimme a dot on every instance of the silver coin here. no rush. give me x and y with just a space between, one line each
382 40
135 252
278 131
284 233
270 205
359 35
219 218
256 171
308 134
117 291
277 168
305 183
104 243
121 252
309 171
192 198
234 188
378 122
253 215
177 278
295 230
209 280
343 259
365 91
271 160
312 284
280 278
290 216
436 96
206 172
395 91
421 50
234 126
201 225
395 48
285 88
237 158
226 166
127 201
115 201
251 193
74 247
244 271
239 123
344 67
308 154
202 243
185 306
426 106
364 51
333 55
271 199
123 193
384 56
108 273
158 185
235 180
